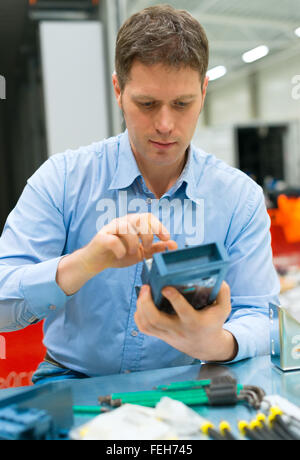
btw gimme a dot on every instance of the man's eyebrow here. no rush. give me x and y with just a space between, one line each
144 97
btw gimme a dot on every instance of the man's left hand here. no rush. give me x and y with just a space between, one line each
198 333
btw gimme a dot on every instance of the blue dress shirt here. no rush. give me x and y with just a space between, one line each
67 201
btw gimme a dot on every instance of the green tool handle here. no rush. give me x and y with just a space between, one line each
86 409
184 385
158 395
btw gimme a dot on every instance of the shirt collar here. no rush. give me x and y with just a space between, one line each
127 169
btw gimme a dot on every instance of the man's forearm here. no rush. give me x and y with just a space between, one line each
71 274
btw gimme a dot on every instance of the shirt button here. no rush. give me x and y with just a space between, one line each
134 333
52 307
149 200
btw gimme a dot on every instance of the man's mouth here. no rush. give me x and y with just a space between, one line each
162 145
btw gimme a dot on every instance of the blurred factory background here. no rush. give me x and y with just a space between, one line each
56 61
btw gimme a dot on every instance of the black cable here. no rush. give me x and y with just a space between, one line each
280 424
280 432
253 435
268 433
215 435
229 436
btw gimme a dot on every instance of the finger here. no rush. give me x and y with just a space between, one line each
224 294
146 240
125 231
184 310
159 229
148 317
114 244
147 224
160 246
223 299
129 236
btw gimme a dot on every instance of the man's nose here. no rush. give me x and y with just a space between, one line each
164 122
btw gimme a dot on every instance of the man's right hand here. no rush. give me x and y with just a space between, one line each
123 242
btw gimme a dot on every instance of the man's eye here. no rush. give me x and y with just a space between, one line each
147 105
181 105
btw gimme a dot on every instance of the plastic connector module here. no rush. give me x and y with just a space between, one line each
25 424
196 272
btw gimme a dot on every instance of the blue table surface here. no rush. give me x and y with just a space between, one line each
256 371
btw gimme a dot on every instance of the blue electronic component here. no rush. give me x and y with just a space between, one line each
38 412
197 272
25 424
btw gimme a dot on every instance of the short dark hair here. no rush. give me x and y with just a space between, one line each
161 34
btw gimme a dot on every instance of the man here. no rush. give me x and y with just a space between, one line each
72 251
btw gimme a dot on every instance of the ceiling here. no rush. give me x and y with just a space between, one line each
234 26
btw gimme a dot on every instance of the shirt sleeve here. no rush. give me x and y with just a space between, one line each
31 247
252 277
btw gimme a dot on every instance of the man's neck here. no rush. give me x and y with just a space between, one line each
159 179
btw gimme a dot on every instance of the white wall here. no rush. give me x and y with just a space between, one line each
230 105
230 99
218 140
231 102
74 84
276 90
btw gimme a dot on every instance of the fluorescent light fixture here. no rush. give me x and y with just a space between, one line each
255 54
297 32
216 72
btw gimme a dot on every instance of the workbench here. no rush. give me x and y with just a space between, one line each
257 371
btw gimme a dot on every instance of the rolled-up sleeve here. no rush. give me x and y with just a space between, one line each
31 247
252 277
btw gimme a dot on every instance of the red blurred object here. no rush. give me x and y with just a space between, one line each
20 354
285 253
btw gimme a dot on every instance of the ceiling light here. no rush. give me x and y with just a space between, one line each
255 54
216 72
297 32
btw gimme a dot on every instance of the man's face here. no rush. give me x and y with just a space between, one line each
161 107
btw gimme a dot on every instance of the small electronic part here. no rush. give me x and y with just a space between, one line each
38 412
25 424
196 272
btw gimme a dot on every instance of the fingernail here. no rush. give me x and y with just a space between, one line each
167 291
144 289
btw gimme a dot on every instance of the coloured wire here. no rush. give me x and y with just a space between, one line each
278 424
265 429
247 432
209 429
225 430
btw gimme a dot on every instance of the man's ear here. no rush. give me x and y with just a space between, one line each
205 84
117 89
